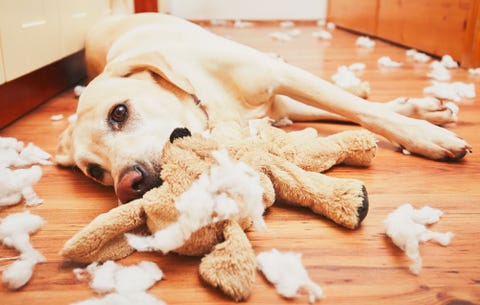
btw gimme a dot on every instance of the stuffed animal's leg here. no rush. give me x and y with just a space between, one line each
313 153
231 266
344 201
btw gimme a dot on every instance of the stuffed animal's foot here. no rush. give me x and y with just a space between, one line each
358 146
347 204
231 266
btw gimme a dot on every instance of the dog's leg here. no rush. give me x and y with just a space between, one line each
417 136
430 109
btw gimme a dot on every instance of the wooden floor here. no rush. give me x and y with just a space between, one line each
353 267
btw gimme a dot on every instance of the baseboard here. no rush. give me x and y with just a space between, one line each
27 92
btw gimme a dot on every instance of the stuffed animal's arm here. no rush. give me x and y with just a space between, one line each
103 239
313 153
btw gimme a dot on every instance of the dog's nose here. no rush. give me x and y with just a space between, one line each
134 182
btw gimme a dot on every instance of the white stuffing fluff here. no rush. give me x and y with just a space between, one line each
406 227
448 62
294 32
439 72
56 117
357 66
17 184
417 56
365 42
72 118
121 285
345 78
286 271
386 61
280 36
321 22
15 231
218 22
78 90
451 91
322 34
16 177
474 72
33 154
242 24
287 24
331 26
209 200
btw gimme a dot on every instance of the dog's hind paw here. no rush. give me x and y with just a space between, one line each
429 109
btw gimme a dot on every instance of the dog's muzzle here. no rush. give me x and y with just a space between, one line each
135 181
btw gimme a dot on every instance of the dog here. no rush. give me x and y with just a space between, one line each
153 73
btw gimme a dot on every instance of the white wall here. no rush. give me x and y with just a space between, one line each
246 9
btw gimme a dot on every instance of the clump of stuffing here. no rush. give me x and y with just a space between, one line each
406 226
322 34
209 200
455 91
287 24
386 61
242 24
281 36
345 78
72 118
17 184
18 172
119 284
331 26
56 117
218 22
448 62
287 273
364 42
78 90
439 72
474 72
417 56
357 66
15 231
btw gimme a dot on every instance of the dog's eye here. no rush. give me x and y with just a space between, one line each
118 116
95 171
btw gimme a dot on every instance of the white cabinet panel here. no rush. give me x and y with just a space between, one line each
76 17
30 31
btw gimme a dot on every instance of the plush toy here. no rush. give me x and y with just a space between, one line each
276 165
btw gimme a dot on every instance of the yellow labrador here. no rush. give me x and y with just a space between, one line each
157 72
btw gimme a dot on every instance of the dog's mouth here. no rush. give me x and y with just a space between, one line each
135 181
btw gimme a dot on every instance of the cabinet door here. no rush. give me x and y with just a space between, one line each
76 17
434 26
29 31
360 15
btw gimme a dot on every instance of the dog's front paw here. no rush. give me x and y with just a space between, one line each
433 142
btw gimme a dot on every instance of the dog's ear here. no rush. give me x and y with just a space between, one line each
64 154
153 62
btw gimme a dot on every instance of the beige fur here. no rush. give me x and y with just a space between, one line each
288 165
172 73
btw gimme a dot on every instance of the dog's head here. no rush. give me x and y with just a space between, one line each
124 118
